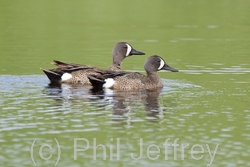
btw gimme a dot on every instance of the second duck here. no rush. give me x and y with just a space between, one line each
133 80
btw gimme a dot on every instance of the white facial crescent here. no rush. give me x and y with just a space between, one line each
129 48
161 64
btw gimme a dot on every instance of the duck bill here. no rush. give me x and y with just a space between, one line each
167 67
135 52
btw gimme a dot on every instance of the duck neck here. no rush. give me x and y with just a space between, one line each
154 79
117 62
153 75
115 67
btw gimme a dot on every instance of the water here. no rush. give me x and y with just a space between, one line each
204 108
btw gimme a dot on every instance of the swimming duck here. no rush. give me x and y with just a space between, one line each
133 80
77 74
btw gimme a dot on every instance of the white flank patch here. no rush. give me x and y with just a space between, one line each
109 83
128 49
161 65
66 76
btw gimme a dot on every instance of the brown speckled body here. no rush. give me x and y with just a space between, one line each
133 80
80 76
80 72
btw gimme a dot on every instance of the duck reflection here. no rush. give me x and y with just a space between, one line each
65 95
122 102
127 101
66 91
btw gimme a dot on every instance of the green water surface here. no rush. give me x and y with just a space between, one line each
204 109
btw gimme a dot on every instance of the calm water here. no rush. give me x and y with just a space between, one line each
200 118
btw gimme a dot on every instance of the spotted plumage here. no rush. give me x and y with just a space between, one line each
77 74
133 80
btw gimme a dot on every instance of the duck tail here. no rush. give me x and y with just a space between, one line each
96 82
53 77
60 63
63 65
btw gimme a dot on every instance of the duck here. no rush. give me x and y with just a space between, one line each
71 73
125 81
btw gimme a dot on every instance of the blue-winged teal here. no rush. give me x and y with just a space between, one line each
77 73
133 80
